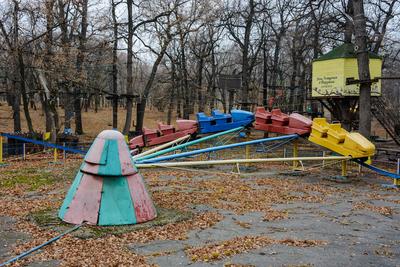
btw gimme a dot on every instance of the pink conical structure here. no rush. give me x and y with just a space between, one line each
108 189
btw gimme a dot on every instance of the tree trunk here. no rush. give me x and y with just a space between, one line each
17 94
48 104
275 65
231 99
348 31
20 69
223 99
25 102
48 117
67 93
200 84
96 102
79 62
179 102
265 76
142 104
213 78
171 105
129 77
301 77
245 58
185 82
47 85
16 109
172 93
115 70
293 75
363 68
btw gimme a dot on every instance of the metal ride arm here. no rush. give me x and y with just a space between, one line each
211 149
378 170
234 161
162 152
153 150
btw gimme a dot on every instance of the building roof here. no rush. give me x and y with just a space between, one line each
345 50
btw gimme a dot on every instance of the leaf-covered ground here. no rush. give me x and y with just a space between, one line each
238 220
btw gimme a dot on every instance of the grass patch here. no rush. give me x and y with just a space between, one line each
33 178
30 178
48 219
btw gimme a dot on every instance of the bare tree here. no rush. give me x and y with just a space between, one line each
62 14
242 23
83 9
165 39
131 32
114 65
129 78
14 95
18 79
279 21
363 67
383 12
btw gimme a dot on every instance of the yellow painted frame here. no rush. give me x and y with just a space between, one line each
329 77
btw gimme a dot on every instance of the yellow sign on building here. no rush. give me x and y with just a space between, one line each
330 71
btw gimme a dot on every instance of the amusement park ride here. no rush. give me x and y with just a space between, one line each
164 133
331 136
108 169
108 185
109 190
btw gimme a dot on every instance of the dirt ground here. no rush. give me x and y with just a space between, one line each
93 123
259 218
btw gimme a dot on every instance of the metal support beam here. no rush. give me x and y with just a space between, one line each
236 161
162 152
247 152
212 149
1 149
344 168
153 150
295 153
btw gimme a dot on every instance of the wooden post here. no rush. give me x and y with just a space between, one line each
344 167
23 151
396 182
247 152
65 152
295 153
238 167
55 154
323 161
1 149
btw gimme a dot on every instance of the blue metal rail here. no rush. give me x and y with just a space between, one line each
378 170
45 144
26 253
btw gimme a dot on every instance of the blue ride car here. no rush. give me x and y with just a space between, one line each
219 121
